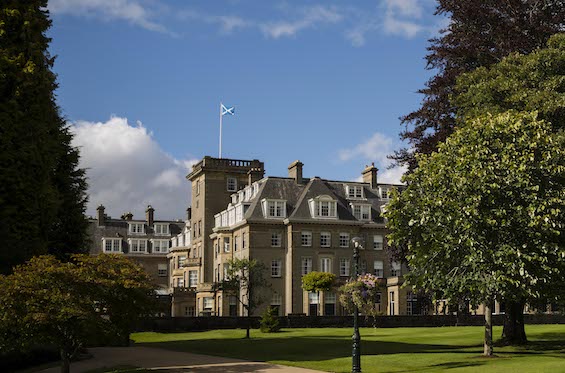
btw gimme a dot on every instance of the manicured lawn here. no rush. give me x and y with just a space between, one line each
457 349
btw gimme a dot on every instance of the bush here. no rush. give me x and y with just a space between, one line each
270 321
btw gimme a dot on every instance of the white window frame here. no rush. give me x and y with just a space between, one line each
274 208
306 238
305 265
133 228
162 270
136 242
158 246
208 303
355 192
325 239
192 278
396 269
115 245
378 268
276 239
344 267
361 211
276 268
326 265
378 242
276 299
231 184
161 229
344 239
226 244
323 207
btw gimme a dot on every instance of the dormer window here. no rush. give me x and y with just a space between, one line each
274 208
323 207
161 229
361 212
136 228
385 192
354 191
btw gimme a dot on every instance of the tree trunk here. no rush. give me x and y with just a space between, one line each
248 327
488 330
65 361
514 332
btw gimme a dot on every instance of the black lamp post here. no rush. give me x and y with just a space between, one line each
356 354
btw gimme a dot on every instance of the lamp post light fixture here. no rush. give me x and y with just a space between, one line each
356 353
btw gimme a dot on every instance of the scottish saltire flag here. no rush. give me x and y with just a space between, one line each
226 110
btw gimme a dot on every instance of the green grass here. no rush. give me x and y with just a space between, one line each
454 349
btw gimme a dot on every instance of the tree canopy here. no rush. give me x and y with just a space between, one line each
479 33
484 216
64 304
42 190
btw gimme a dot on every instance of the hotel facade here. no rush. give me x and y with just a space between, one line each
293 225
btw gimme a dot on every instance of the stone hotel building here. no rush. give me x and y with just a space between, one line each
293 225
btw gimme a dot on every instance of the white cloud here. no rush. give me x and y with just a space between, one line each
395 26
405 8
375 149
136 12
309 18
127 170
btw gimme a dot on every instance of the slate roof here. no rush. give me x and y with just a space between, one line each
298 195
119 228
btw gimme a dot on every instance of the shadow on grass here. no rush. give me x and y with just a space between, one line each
299 349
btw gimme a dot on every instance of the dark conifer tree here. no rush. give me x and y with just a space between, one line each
42 191
480 33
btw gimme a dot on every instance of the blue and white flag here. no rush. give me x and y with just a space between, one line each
226 110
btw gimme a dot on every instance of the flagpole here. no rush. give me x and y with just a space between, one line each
220 130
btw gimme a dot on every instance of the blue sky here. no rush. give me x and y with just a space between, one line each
320 81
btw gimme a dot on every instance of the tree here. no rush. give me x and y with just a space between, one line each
42 302
244 279
318 281
480 33
42 192
483 217
523 83
62 303
123 290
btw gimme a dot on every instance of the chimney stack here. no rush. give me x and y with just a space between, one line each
149 215
189 213
254 174
100 216
295 171
127 216
370 175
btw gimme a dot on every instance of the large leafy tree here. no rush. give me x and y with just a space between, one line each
46 301
484 216
42 191
535 81
244 279
480 33
123 290
42 302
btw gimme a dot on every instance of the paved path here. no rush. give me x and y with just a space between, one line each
174 361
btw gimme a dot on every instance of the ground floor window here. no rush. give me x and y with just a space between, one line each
329 304
232 306
391 303
312 304
190 311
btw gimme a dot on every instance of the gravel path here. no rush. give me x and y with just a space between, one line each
171 361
